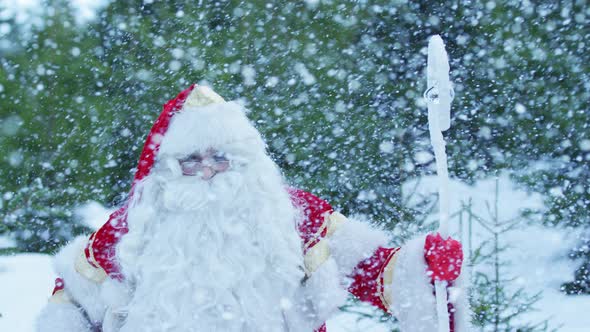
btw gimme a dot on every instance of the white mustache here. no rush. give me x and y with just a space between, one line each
191 193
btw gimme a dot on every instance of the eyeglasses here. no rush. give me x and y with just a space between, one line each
206 164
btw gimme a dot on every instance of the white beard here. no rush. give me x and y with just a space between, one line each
222 255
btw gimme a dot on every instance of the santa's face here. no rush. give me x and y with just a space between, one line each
204 165
201 179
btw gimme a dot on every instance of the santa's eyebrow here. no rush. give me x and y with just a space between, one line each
194 155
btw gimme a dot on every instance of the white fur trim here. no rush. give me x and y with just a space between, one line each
61 317
414 304
115 294
222 126
325 292
459 297
354 241
81 290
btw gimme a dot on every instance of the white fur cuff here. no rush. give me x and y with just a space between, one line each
61 317
81 290
324 290
354 241
459 297
414 304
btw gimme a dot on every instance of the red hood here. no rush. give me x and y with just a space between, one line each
100 250
154 138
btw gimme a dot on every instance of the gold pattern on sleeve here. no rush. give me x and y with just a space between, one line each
60 296
95 274
315 238
334 221
316 256
316 249
386 279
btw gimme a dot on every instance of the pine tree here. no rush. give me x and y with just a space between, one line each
50 159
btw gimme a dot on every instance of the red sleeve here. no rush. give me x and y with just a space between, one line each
100 250
59 295
371 275
312 227
59 286
369 278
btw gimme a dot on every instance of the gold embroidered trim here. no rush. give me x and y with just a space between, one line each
316 256
386 279
95 274
315 237
91 258
60 296
334 221
202 96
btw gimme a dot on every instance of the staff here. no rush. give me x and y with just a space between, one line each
438 97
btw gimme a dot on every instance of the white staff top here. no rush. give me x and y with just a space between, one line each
439 95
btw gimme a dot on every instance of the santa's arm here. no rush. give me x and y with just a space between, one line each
75 304
397 280
400 281
327 262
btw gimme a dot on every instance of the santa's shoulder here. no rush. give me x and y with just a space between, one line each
314 213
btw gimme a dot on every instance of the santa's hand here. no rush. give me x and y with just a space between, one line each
444 257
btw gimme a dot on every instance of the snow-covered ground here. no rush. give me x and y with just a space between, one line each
537 256
26 281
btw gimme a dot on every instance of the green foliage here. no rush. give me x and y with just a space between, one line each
496 306
48 162
581 282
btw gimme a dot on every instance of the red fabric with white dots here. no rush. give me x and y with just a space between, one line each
314 210
59 285
152 143
368 277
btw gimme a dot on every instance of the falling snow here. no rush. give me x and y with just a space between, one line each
339 92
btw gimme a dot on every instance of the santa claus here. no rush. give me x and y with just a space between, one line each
212 239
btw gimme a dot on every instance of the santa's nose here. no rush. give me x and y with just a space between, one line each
207 173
